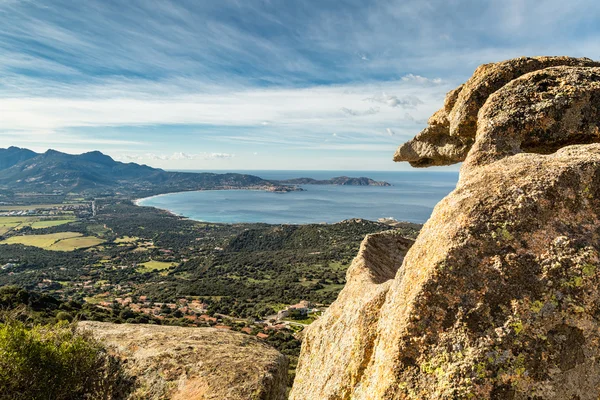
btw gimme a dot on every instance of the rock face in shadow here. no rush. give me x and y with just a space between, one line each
178 363
498 297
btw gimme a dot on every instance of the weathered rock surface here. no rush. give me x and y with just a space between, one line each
177 363
342 339
452 129
498 298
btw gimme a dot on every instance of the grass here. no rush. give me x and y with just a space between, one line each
306 321
63 241
50 223
9 223
127 239
336 265
76 243
97 229
331 288
310 318
152 265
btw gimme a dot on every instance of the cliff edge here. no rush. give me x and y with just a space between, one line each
498 297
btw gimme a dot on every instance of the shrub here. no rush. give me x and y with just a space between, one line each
56 362
64 316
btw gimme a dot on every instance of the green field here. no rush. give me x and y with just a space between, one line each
10 223
64 241
154 266
127 239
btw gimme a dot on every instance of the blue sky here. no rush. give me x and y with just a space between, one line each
257 84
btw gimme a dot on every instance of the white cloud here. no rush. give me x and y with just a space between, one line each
220 155
393 101
359 113
421 79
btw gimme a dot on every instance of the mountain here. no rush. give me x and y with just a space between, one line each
14 155
51 172
340 180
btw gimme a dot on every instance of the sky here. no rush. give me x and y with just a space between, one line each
257 84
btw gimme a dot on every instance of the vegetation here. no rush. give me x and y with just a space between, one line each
242 270
55 362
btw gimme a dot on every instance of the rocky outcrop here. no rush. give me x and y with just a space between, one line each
498 297
452 130
341 340
168 362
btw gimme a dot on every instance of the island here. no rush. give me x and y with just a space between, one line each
340 180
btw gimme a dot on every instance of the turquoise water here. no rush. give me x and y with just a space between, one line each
411 197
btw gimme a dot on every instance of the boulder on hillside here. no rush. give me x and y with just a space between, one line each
169 362
498 298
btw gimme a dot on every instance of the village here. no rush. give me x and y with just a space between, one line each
293 318
188 312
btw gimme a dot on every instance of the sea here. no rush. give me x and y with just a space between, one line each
411 198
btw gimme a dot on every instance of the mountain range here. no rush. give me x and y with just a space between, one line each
53 171
23 170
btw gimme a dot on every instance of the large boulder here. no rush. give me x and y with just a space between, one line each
169 362
498 298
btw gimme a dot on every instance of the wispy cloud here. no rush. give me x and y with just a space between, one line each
220 75
317 108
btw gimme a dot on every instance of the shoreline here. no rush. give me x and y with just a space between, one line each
137 201
230 218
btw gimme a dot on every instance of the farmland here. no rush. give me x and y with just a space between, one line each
152 265
9 223
62 241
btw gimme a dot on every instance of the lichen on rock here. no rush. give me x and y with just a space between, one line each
498 297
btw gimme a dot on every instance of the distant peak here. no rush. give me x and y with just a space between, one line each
51 152
97 156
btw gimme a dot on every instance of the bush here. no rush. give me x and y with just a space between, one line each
56 362
64 316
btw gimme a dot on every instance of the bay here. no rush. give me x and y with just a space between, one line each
411 197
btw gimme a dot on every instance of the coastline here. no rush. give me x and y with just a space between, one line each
137 202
